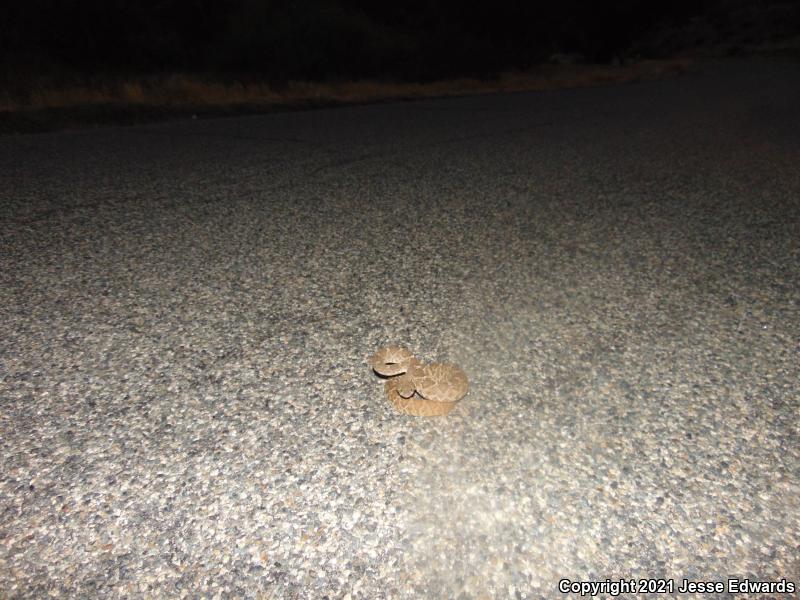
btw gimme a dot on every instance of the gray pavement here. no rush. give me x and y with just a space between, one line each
187 310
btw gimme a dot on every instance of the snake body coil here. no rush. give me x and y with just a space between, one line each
418 389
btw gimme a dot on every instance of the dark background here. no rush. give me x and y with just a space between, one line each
420 40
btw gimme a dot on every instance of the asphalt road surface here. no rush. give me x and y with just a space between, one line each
188 308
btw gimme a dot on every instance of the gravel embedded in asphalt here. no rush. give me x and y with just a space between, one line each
188 309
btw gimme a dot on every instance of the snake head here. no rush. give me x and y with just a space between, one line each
391 361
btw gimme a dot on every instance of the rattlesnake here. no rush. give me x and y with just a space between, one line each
418 389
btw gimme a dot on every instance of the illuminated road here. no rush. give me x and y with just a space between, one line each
187 310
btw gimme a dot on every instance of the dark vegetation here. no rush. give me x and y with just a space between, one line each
319 40
65 63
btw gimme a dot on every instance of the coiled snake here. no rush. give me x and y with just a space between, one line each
418 389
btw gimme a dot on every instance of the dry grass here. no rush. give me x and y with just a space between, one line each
184 91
